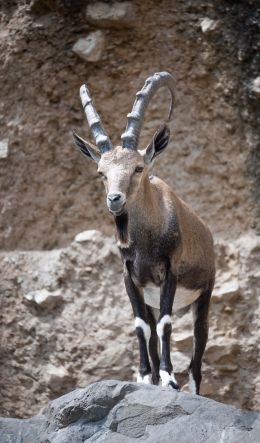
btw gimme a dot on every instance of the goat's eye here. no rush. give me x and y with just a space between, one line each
139 169
102 176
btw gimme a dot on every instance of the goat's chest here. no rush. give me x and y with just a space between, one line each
148 270
146 267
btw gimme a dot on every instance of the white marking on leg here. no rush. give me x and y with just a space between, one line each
166 319
139 323
123 245
167 378
147 379
192 384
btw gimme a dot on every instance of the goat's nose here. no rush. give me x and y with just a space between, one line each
115 202
114 197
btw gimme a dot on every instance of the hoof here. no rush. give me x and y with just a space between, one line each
146 379
169 380
174 386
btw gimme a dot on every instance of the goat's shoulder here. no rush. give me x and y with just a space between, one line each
164 193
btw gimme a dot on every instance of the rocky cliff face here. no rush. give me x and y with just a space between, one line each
114 412
49 193
74 324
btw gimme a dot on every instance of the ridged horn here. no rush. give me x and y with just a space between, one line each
135 119
101 138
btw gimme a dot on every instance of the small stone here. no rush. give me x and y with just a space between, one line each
91 47
255 86
4 148
20 280
180 362
230 128
206 387
183 340
115 14
228 292
225 390
222 349
228 310
207 24
92 235
55 377
228 367
35 276
45 298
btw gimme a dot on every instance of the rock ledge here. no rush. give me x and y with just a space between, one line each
115 411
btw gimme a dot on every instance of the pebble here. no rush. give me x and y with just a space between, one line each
255 86
4 149
90 48
116 14
55 377
45 298
88 236
207 24
228 291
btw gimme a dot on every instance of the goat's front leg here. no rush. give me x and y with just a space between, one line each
143 330
164 329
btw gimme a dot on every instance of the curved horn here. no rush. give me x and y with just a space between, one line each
135 119
101 138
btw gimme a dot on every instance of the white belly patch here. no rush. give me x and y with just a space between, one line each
183 297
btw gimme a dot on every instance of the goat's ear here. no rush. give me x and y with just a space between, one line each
158 144
86 148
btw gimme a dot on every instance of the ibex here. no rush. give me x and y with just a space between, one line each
167 251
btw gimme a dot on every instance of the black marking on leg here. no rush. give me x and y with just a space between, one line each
153 346
166 364
167 294
144 368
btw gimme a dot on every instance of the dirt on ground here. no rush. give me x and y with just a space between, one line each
49 192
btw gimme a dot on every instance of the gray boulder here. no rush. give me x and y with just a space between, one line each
115 411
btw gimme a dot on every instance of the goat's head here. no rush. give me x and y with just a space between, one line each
123 168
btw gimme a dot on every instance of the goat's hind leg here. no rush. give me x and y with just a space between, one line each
200 310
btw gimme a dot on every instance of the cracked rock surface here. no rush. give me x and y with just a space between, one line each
113 411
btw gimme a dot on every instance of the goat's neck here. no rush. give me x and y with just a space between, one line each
142 214
144 208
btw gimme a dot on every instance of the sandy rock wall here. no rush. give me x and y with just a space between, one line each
48 192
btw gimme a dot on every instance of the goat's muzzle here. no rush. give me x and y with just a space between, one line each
116 203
